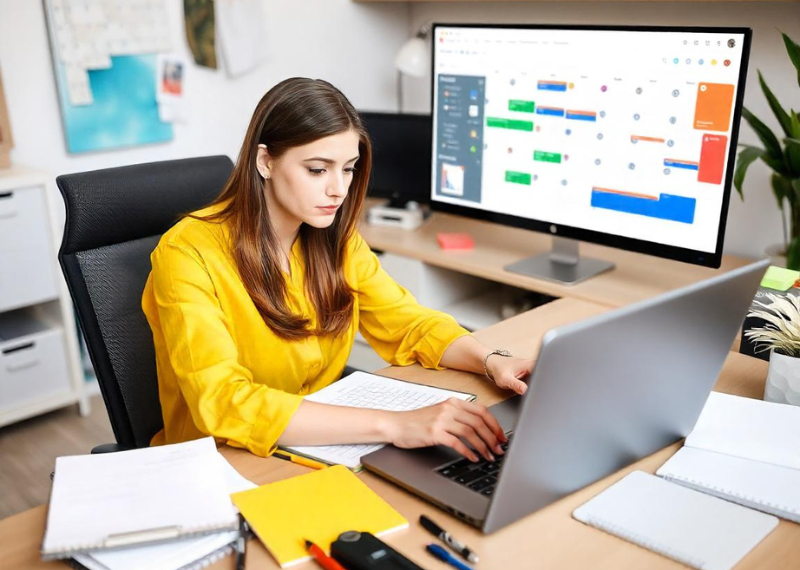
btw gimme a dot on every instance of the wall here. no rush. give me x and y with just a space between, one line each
350 44
753 224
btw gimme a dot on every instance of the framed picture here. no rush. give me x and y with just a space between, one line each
6 142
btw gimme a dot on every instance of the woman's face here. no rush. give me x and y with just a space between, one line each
309 183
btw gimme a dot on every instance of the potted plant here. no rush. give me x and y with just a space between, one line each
782 155
781 334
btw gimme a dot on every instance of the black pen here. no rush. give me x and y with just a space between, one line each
241 543
445 537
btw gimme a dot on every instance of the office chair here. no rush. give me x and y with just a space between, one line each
114 219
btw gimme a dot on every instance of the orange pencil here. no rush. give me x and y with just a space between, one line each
322 559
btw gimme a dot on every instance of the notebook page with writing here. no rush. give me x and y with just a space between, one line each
180 554
761 486
698 530
363 390
750 429
136 497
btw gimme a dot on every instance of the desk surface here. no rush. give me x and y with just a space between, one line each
635 277
549 538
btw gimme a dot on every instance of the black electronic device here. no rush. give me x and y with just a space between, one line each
401 157
363 551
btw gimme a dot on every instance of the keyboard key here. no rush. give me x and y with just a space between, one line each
482 483
470 477
488 491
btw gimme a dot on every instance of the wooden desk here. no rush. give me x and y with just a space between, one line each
635 277
549 538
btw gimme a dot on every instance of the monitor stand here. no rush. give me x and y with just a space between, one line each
562 264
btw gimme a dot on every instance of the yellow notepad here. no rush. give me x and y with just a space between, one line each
317 506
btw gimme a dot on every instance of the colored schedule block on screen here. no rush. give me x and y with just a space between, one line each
512 124
521 106
665 207
518 177
542 156
712 159
714 105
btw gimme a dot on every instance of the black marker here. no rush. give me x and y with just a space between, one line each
445 537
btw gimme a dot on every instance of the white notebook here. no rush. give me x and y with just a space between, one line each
692 528
115 500
363 390
743 450
184 554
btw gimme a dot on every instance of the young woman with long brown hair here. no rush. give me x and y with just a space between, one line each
256 300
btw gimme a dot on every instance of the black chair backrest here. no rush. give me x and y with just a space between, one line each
114 219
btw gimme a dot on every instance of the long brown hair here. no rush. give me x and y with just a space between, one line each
295 112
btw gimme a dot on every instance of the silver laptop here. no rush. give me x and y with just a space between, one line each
605 392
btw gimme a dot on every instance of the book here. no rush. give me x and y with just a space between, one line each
183 554
317 506
142 496
692 528
745 451
363 390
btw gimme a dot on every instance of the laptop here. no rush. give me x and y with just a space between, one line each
605 392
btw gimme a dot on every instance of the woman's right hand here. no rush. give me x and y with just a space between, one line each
448 423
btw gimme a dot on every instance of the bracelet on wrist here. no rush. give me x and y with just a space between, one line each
504 353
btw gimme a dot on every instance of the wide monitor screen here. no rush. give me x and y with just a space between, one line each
621 136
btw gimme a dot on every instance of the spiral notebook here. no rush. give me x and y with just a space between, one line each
184 554
743 450
142 496
689 527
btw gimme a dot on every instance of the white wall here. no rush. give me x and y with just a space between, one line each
752 225
349 44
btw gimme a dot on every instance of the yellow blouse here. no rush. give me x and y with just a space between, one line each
223 372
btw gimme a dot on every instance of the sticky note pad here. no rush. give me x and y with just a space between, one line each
714 105
455 241
779 278
317 506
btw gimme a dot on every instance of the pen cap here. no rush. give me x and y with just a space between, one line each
430 526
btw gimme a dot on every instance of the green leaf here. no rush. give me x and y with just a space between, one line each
794 53
746 157
793 254
792 157
767 137
782 189
780 113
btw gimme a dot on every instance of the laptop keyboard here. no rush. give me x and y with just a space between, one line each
480 477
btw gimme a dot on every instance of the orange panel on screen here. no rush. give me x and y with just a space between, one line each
714 105
712 159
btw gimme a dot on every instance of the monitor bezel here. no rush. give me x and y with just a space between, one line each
703 258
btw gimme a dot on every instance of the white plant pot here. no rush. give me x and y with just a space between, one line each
783 380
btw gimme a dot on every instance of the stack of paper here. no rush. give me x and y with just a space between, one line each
108 511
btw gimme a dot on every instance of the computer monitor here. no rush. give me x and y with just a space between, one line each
622 136
401 157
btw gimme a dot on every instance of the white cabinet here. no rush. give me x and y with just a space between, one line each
40 367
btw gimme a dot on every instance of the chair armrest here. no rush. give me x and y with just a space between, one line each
109 448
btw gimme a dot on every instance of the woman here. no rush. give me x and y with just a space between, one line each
255 300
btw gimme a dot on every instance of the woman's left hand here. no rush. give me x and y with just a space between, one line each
510 373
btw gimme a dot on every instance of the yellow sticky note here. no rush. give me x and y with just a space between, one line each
317 506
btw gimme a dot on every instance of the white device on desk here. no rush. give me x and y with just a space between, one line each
408 218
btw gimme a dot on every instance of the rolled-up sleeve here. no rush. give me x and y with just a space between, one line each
400 330
222 397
